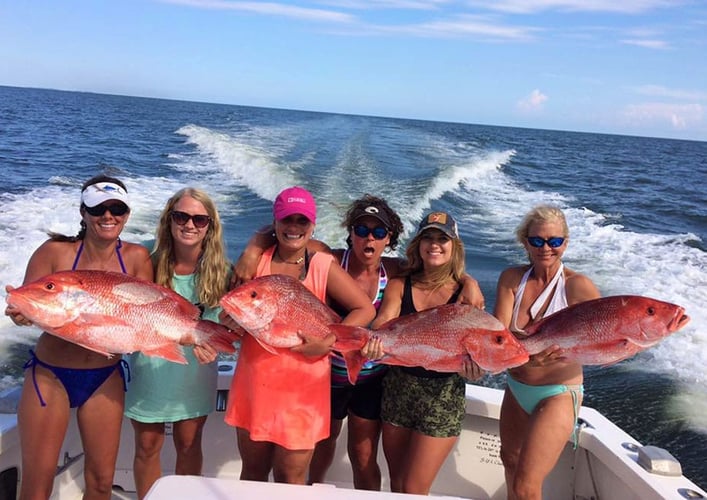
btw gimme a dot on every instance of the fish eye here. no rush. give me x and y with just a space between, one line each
651 311
253 294
499 340
49 286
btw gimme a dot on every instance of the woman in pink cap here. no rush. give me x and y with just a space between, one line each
280 404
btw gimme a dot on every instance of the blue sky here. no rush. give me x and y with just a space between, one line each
636 67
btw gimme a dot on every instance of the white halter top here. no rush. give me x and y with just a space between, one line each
556 287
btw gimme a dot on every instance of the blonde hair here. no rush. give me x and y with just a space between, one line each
212 269
452 270
541 214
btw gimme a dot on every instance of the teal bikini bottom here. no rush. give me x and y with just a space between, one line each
528 396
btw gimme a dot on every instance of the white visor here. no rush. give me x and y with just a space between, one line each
95 194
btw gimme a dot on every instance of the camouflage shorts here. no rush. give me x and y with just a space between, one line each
432 406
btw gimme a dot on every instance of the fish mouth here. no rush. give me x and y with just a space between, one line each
680 319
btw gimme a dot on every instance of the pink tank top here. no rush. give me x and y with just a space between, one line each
285 398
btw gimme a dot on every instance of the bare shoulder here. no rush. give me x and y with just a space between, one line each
54 255
395 285
511 276
134 250
137 259
579 287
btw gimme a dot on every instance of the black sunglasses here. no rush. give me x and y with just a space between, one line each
116 209
379 232
538 242
182 218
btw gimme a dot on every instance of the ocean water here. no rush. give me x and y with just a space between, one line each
636 207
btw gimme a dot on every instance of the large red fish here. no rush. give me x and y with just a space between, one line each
112 313
279 311
606 330
438 339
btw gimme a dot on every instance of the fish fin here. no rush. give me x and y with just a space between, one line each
354 362
534 328
220 337
170 352
265 346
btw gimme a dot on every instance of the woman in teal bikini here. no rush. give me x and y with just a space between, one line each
540 405
62 375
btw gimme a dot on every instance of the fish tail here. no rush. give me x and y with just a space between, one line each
354 362
220 337
349 338
349 341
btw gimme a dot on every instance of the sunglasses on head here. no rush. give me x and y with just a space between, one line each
538 242
114 209
182 218
378 232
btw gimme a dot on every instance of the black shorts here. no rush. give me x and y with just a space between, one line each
362 399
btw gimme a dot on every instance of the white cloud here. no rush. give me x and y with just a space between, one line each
681 94
678 116
464 26
534 6
533 102
648 44
269 8
385 4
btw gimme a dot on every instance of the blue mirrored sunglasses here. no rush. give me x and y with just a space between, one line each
538 242
379 232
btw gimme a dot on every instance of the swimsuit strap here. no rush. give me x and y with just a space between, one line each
542 298
32 362
120 258
382 283
124 368
575 390
78 255
117 251
518 298
345 259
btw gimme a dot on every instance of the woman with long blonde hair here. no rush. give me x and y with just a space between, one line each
189 257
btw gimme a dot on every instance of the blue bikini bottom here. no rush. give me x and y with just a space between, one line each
79 383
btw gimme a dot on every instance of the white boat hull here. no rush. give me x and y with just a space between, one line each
604 465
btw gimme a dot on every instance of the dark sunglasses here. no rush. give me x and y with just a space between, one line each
538 242
182 218
378 232
115 209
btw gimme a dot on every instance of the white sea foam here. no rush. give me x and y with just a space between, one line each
246 164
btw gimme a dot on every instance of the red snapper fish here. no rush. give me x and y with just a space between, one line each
606 330
437 339
112 313
279 311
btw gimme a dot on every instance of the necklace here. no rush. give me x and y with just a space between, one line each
293 262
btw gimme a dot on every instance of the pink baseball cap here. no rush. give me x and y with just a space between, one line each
295 200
